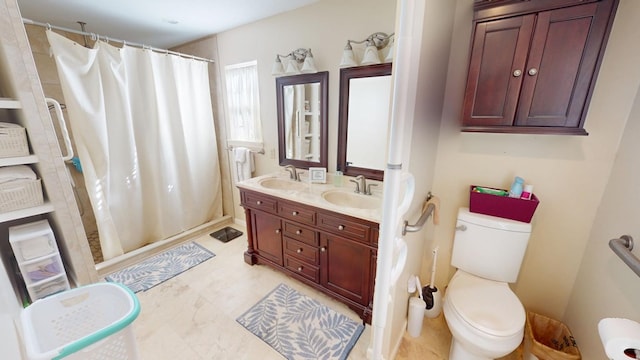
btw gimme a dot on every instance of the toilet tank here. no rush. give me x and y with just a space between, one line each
489 246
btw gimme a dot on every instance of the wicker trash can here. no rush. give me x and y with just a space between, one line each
549 339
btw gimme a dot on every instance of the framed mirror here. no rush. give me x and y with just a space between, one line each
365 96
302 119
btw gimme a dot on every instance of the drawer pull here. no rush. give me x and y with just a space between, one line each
294 213
340 227
299 268
299 251
278 231
323 249
259 202
298 232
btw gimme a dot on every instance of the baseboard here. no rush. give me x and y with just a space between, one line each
241 222
135 256
394 352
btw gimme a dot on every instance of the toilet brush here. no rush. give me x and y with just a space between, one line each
430 294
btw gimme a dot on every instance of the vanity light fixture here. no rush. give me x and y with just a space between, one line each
375 43
297 61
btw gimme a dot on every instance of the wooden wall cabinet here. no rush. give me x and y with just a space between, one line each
534 64
331 252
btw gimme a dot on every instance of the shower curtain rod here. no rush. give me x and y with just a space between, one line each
95 36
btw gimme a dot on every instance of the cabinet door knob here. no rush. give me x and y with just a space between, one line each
299 251
517 73
298 232
294 213
340 227
323 249
277 231
533 71
299 268
259 202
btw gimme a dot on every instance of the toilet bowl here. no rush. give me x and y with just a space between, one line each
484 316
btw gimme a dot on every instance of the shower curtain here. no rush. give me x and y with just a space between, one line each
144 132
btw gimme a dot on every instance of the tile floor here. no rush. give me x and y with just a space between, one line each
192 316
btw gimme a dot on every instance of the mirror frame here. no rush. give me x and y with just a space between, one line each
346 74
281 82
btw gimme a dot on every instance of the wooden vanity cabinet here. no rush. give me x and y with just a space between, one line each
534 64
346 267
331 252
270 229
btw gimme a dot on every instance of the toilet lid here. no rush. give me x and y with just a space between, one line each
486 305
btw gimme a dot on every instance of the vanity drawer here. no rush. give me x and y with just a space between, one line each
302 268
261 202
297 213
344 227
302 251
301 233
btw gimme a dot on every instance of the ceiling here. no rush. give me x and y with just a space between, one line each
157 23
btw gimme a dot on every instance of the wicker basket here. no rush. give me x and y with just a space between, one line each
550 339
13 140
20 194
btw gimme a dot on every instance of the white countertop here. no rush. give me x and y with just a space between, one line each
311 194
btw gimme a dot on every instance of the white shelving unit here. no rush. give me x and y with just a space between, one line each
307 139
22 102
22 160
7 103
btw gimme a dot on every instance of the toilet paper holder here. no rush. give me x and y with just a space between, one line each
622 247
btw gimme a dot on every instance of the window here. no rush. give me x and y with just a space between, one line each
243 105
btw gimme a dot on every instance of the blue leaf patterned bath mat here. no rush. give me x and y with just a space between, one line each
299 327
161 267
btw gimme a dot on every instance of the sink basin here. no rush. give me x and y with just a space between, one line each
352 200
282 184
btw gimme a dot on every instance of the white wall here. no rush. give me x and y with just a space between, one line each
605 286
324 27
424 137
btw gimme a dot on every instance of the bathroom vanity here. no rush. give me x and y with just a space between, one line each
323 235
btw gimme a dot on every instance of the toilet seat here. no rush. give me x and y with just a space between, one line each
486 305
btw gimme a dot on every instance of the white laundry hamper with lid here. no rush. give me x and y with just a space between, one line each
88 322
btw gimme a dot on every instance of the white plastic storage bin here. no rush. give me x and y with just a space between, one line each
36 252
48 287
85 323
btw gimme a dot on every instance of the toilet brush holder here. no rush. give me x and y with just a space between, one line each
414 321
433 300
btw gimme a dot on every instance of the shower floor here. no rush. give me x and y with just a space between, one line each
94 244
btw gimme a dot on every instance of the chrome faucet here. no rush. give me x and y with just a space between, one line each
293 173
361 183
357 190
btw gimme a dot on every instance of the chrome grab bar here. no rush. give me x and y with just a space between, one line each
423 218
622 247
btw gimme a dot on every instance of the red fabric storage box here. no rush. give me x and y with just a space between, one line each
502 206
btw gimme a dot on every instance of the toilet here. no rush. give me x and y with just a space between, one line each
484 316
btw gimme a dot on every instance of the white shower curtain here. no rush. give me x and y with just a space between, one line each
144 132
